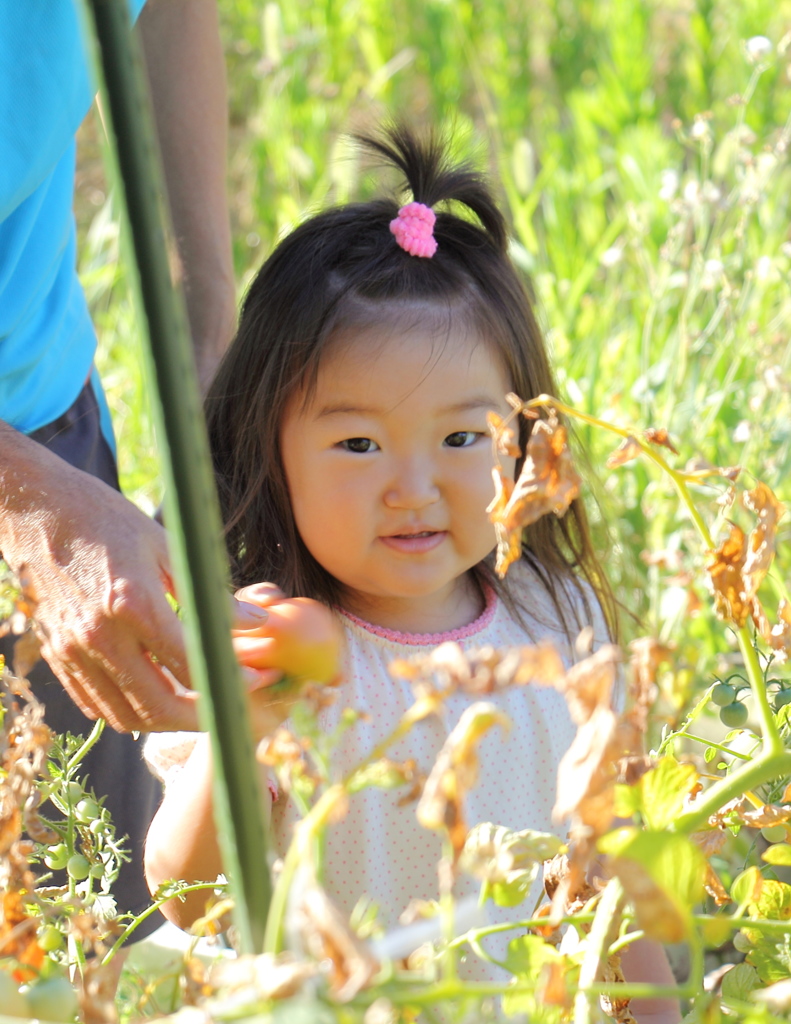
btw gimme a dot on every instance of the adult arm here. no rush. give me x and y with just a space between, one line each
186 71
98 569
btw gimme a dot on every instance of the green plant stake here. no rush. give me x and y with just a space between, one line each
194 525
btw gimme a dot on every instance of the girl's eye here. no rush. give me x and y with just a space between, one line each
462 438
359 445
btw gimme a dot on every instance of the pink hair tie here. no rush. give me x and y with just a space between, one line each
414 229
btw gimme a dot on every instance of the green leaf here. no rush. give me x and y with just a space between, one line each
527 958
739 982
662 874
664 790
382 774
628 801
779 853
509 894
774 901
771 957
747 886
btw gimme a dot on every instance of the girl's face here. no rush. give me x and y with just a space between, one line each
389 470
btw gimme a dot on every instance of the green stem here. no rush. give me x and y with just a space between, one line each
716 746
694 714
304 833
130 928
534 922
447 909
748 776
599 937
90 742
192 511
626 940
449 990
736 923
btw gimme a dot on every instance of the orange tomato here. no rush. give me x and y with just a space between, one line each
300 637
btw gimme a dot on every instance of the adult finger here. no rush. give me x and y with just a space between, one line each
146 688
160 632
95 693
246 615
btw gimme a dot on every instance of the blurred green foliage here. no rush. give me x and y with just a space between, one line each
641 152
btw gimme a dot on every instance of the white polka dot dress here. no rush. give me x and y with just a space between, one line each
378 850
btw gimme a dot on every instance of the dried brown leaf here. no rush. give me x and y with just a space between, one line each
97 992
27 651
617 1008
741 809
726 571
503 434
761 543
779 636
456 772
659 436
552 987
589 683
272 976
18 934
547 483
714 887
587 773
627 450
646 657
633 767
327 935
449 668
710 841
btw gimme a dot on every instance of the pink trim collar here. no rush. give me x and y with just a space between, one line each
430 639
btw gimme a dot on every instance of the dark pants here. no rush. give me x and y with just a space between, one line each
115 766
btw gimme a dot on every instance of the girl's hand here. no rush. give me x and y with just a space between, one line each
299 641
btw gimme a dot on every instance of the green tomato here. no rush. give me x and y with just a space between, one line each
734 715
723 694
53 999
12 1001
78 867
781 698
97 870
72 793
50 938
97 827
774 833
87 810
56 857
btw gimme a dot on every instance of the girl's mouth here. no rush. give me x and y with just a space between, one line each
415 543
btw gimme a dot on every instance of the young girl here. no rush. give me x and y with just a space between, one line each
349 436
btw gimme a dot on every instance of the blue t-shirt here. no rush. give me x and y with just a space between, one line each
47 341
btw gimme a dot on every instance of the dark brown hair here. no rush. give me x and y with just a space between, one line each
332 273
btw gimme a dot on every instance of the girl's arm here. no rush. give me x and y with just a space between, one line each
182 839
300 638
646 960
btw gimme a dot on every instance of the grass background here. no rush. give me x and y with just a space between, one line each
641 154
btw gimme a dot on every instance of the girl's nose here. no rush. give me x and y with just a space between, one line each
414 487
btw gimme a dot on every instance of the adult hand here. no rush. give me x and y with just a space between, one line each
98 571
